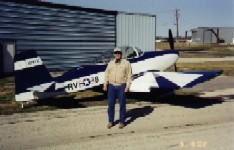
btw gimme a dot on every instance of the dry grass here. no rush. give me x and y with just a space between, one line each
204 51
194 46
7 90
7 94
226 66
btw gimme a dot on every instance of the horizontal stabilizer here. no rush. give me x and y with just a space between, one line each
177 80
171 80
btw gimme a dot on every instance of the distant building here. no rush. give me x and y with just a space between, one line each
213 35
68 36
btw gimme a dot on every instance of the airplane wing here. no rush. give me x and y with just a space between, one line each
144 82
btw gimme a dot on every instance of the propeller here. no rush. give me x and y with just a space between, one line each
171 42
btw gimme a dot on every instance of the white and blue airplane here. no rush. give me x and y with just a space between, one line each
33 81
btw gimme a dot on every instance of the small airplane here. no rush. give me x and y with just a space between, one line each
33 81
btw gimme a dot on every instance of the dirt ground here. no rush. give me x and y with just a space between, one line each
178 122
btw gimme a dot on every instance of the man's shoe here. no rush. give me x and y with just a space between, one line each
121 126
109 125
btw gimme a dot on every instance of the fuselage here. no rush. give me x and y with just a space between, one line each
88 76
154 60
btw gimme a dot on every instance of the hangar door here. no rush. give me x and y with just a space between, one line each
7 53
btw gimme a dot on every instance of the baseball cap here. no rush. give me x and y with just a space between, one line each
117 50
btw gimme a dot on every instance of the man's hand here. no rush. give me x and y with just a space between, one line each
105 87
126 90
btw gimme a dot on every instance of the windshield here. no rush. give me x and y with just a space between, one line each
128 52
140 52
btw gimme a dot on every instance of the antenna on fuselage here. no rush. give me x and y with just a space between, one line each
171 42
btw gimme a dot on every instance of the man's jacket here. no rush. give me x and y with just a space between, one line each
118 73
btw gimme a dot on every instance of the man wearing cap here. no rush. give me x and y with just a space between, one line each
118 78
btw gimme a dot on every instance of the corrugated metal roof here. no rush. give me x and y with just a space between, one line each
60 6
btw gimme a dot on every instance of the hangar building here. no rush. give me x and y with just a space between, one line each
68 36
213 35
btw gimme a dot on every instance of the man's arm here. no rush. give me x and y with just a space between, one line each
106 78
129 77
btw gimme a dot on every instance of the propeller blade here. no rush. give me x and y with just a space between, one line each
171 42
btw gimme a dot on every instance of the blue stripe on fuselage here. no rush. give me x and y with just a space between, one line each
87 70
152 54
81 71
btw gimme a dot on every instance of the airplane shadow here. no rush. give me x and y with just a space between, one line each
69 102
190 101
187 101
61 102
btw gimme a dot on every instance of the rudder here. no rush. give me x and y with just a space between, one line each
30 74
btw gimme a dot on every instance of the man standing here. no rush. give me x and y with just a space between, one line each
118 78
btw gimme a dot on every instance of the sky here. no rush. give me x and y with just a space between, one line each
192 13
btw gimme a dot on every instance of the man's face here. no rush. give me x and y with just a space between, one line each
117 55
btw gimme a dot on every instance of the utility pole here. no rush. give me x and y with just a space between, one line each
177 15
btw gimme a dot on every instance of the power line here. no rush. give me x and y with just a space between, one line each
177 22
187 22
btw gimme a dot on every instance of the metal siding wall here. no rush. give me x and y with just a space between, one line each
207 35
227 34
195 35
63 38
136 30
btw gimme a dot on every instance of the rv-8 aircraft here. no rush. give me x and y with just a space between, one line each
33 81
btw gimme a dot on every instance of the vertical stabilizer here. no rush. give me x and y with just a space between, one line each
30 76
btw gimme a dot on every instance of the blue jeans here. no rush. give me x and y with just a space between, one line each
113 93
